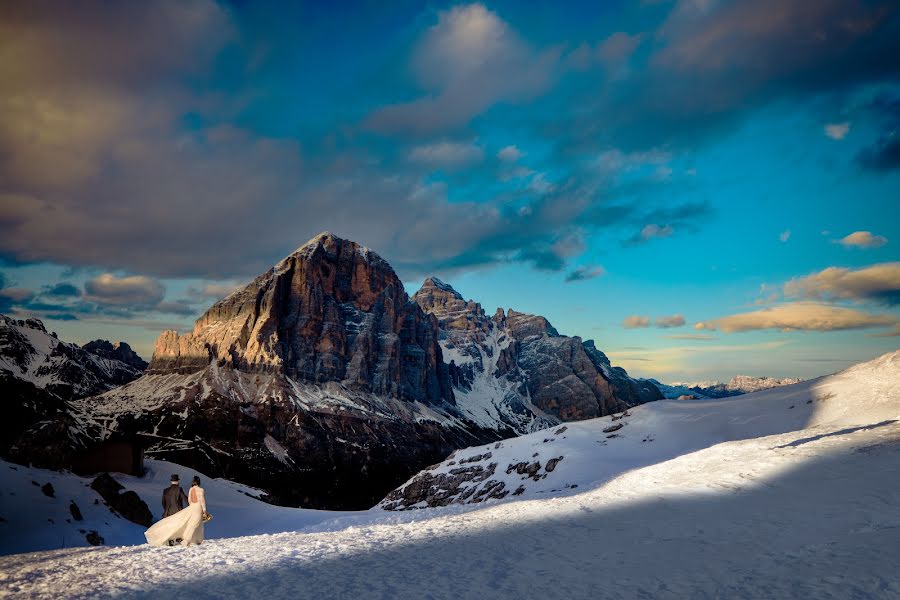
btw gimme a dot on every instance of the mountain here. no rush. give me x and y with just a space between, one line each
29 353
322 382
740 384
588 454
39 377
515 370
119 351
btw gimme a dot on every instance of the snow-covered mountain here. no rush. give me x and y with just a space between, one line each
737 385
788 492
29 353
40 375
585 454
515 370
324 383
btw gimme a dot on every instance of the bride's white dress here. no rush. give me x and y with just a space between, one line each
186 524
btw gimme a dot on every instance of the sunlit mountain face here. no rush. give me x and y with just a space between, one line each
706 189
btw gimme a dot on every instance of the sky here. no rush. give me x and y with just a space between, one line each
703 187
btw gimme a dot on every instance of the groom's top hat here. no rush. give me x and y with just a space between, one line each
174 478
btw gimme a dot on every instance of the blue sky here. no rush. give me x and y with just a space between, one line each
703 187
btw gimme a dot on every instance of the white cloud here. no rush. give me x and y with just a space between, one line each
879 282
863 239
636 322
837 131
468 61
509 154
804 316
670 321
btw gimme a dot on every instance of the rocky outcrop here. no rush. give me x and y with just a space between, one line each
119 351
331 311
127 504
517 366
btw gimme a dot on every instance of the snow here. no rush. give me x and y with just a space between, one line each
28 512
738 498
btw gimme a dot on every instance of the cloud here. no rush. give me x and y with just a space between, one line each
133 291
863 239
213 291
884 153
468 61
709 64
802 316
61 290
785 235
10 297
585 272
446 154
837 131
636 322
700 337
670 321
509 154
650 232
879 283
895 332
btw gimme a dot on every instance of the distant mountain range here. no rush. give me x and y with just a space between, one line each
739 384
40 376
322 382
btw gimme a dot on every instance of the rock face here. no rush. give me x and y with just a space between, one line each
331 311
519 370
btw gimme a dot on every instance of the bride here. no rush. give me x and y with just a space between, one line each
186 525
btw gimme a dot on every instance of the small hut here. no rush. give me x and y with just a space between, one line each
121 455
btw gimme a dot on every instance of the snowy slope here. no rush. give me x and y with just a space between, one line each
33 521
587 453
803 514
739 498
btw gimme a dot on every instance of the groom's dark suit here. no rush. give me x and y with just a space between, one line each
173 500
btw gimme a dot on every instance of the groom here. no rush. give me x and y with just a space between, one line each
174 498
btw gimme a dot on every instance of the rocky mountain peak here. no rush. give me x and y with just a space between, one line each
523 325
118 350
332 311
